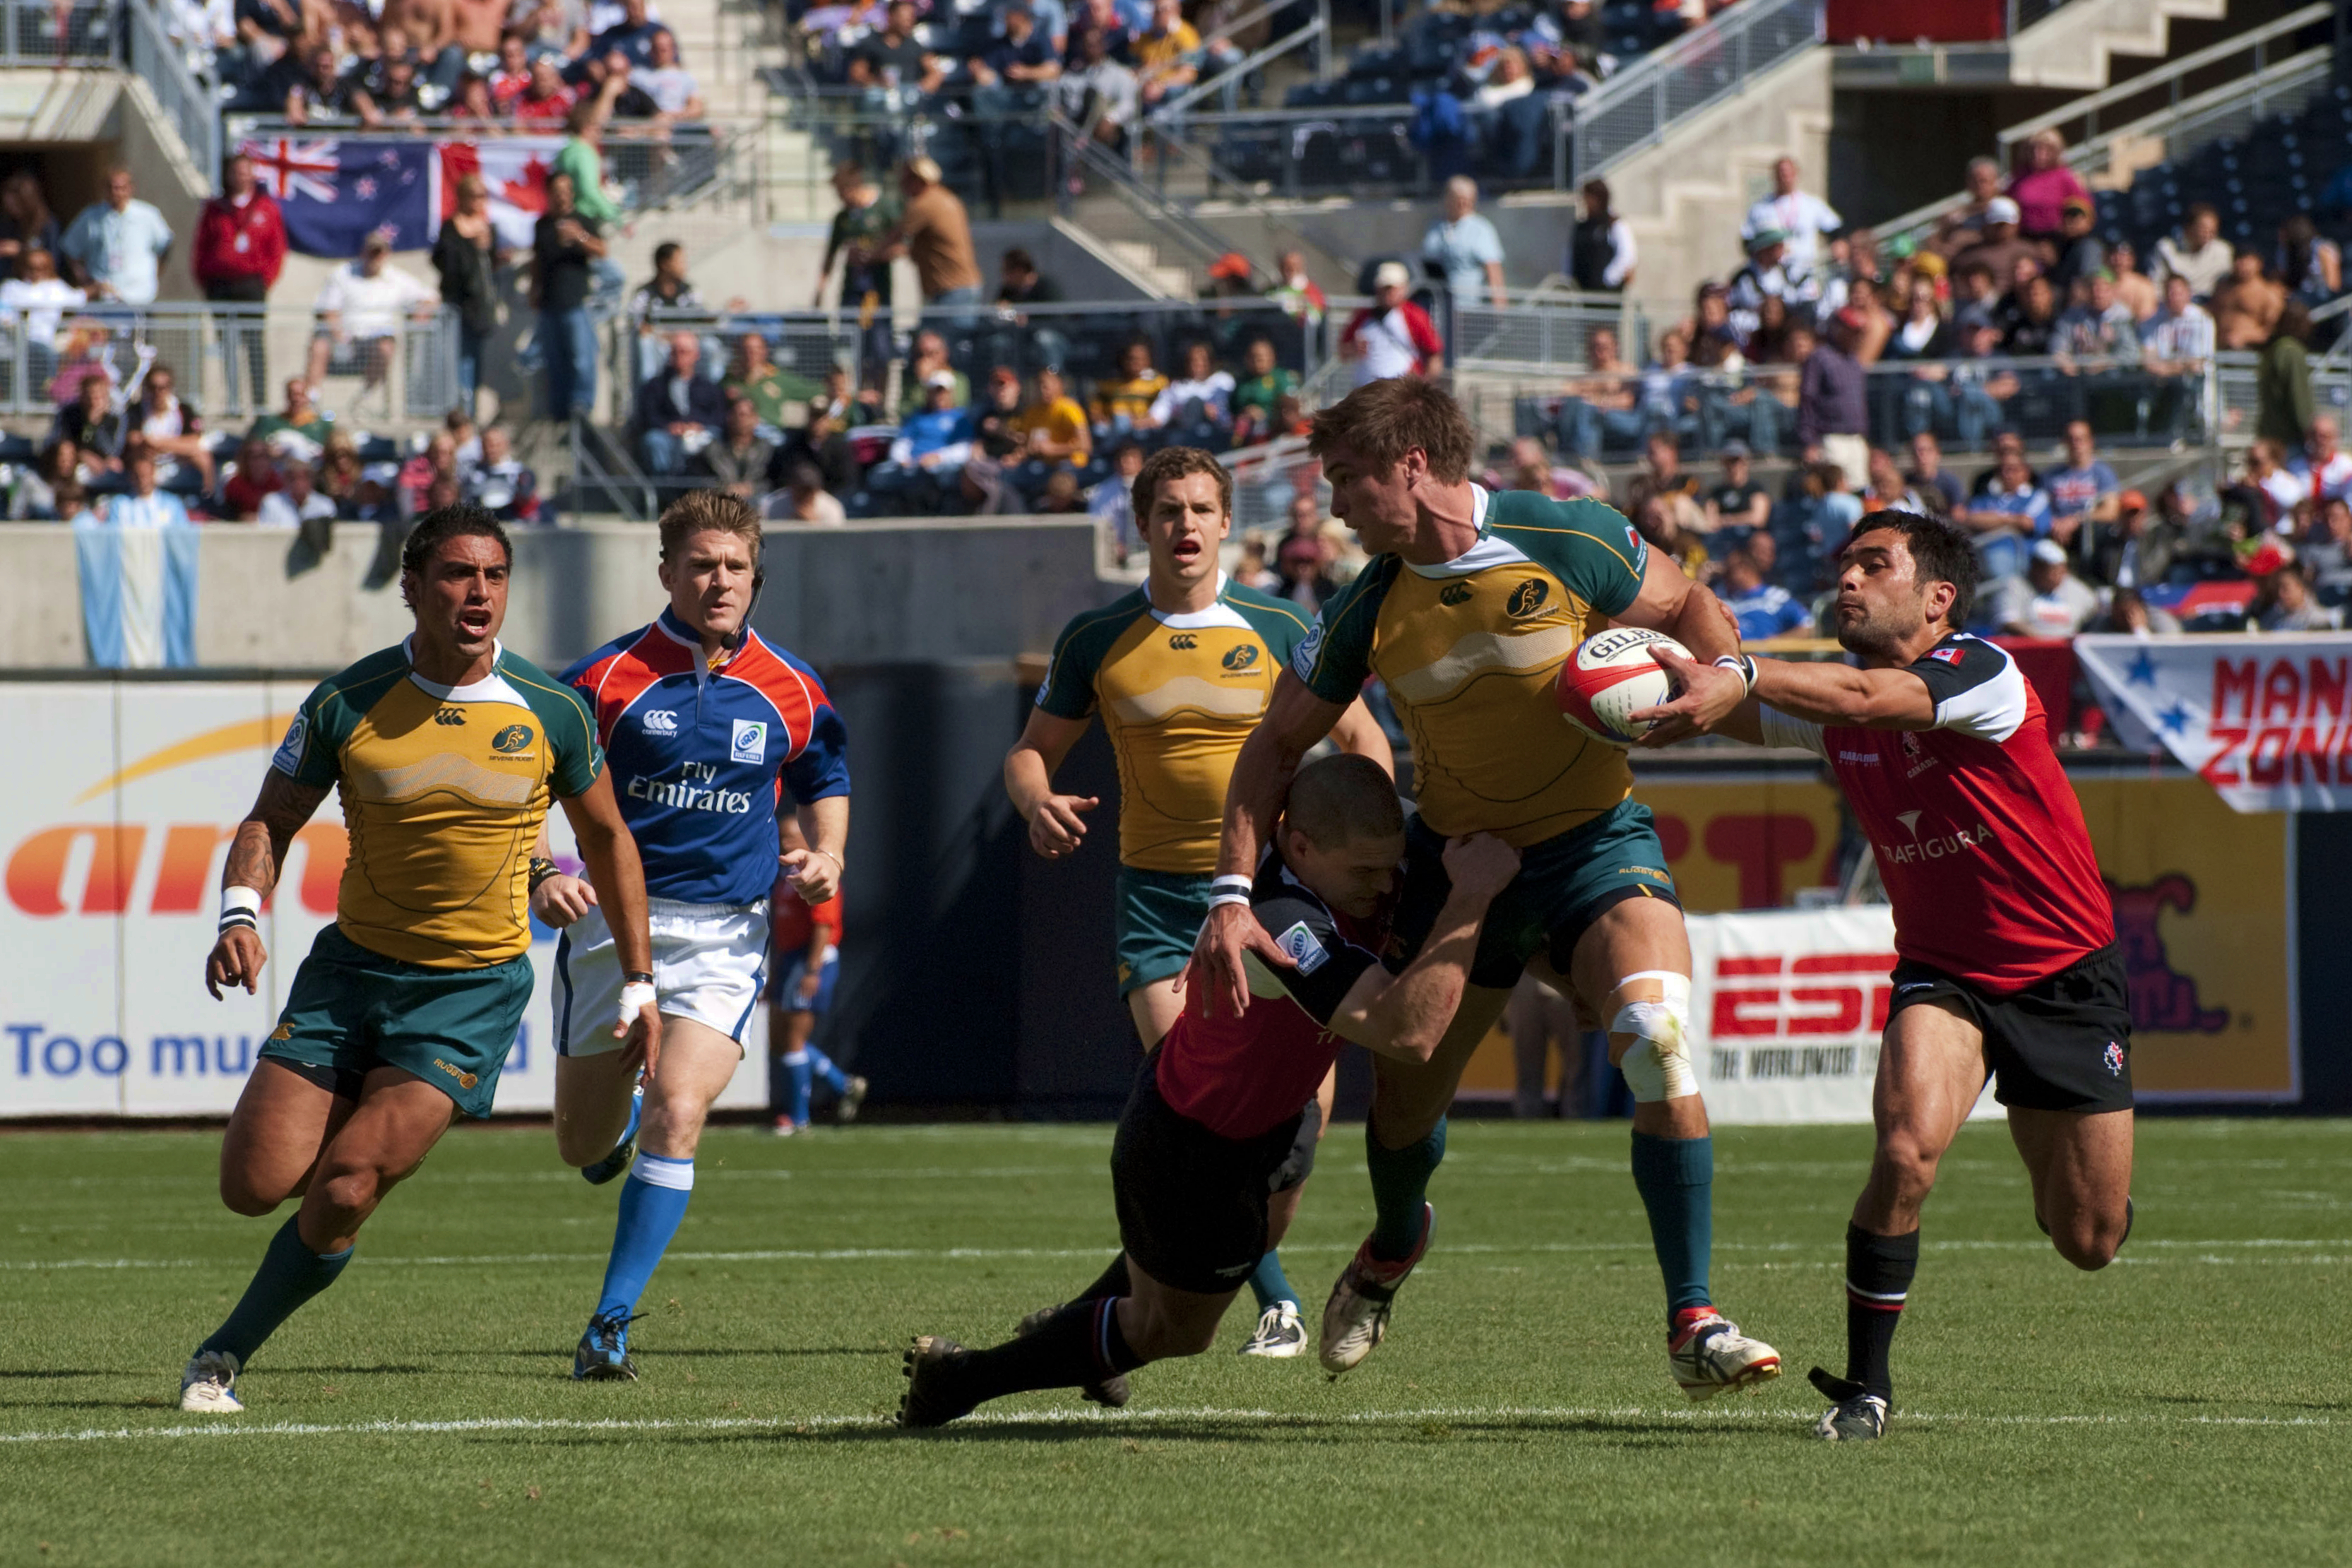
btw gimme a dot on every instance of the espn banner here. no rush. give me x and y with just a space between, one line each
119 821
1787 1011
2266 721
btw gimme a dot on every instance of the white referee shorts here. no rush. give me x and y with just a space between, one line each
709 964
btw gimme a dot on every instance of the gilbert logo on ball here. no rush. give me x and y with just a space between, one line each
1612 676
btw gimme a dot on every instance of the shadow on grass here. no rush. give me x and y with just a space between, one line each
1629 1432
664 1353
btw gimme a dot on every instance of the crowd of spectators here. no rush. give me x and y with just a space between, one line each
131 451
523 66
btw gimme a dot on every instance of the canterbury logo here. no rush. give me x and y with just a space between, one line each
1454 594
1183 642
1528 598
449 716
1240 656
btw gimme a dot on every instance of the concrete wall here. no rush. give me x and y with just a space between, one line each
78 123
871 594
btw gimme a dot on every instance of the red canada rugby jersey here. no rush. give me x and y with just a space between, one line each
1978 835
1242 1077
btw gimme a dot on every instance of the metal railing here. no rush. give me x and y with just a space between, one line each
66 32
189 99
1540 337
1228 81
1081 339
1963 403
2239 405
1639 105
2079 121
2180 127
228 361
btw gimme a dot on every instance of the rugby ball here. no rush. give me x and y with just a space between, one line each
1611 676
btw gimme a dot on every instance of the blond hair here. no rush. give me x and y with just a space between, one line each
708 512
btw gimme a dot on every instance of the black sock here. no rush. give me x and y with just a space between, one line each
1112 1282
1077 1346
1878 1270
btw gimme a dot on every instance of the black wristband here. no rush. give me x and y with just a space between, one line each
635 978
541 870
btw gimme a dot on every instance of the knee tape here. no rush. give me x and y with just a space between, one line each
1657 1066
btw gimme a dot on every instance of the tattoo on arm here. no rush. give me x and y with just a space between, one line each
278 814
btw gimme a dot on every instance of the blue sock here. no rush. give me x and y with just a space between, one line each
798 1074
1269 1284
1676 1177
653 1201
823 1067
1400 1188
289 1275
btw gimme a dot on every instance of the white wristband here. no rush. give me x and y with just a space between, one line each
239 906
1229 896
635 997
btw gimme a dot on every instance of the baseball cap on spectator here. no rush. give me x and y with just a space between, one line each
2132 500
1392 275
1852 319
941 378
1002 372
2077 205
1232 264
1735 448
1763 237
1927 264
2001 209
2050 553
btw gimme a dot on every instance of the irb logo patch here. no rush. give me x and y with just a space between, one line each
750 741
1305 951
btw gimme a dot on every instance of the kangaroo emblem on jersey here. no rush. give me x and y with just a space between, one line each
1528 598
1454 594
1240 656
1183 642
512 739
448 715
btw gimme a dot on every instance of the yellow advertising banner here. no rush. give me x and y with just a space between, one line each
2203 901
2204 911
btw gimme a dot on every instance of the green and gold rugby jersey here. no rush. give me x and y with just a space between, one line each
1178 695
1470 652
443 789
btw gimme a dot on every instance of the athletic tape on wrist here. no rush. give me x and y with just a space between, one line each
1741 665
635 997
240 906
1229 896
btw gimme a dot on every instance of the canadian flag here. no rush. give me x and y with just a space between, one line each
515 170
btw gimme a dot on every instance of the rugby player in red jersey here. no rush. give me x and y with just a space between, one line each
1217 1106
2007 967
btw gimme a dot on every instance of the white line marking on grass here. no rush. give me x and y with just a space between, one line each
229 1426
2207 1252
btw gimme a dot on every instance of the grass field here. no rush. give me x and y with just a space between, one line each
2190 1405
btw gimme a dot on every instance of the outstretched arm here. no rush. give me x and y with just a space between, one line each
1295 720
1818 693
1671 603
255 859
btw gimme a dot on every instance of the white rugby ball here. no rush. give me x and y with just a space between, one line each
1612 676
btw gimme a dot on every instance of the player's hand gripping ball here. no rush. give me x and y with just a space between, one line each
1612 675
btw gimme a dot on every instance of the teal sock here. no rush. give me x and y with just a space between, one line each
1400 1189
1269 1284
289 1275
1676 1177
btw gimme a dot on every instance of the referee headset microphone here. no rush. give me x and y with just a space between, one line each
742 632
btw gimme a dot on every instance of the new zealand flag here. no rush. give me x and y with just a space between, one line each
335 194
